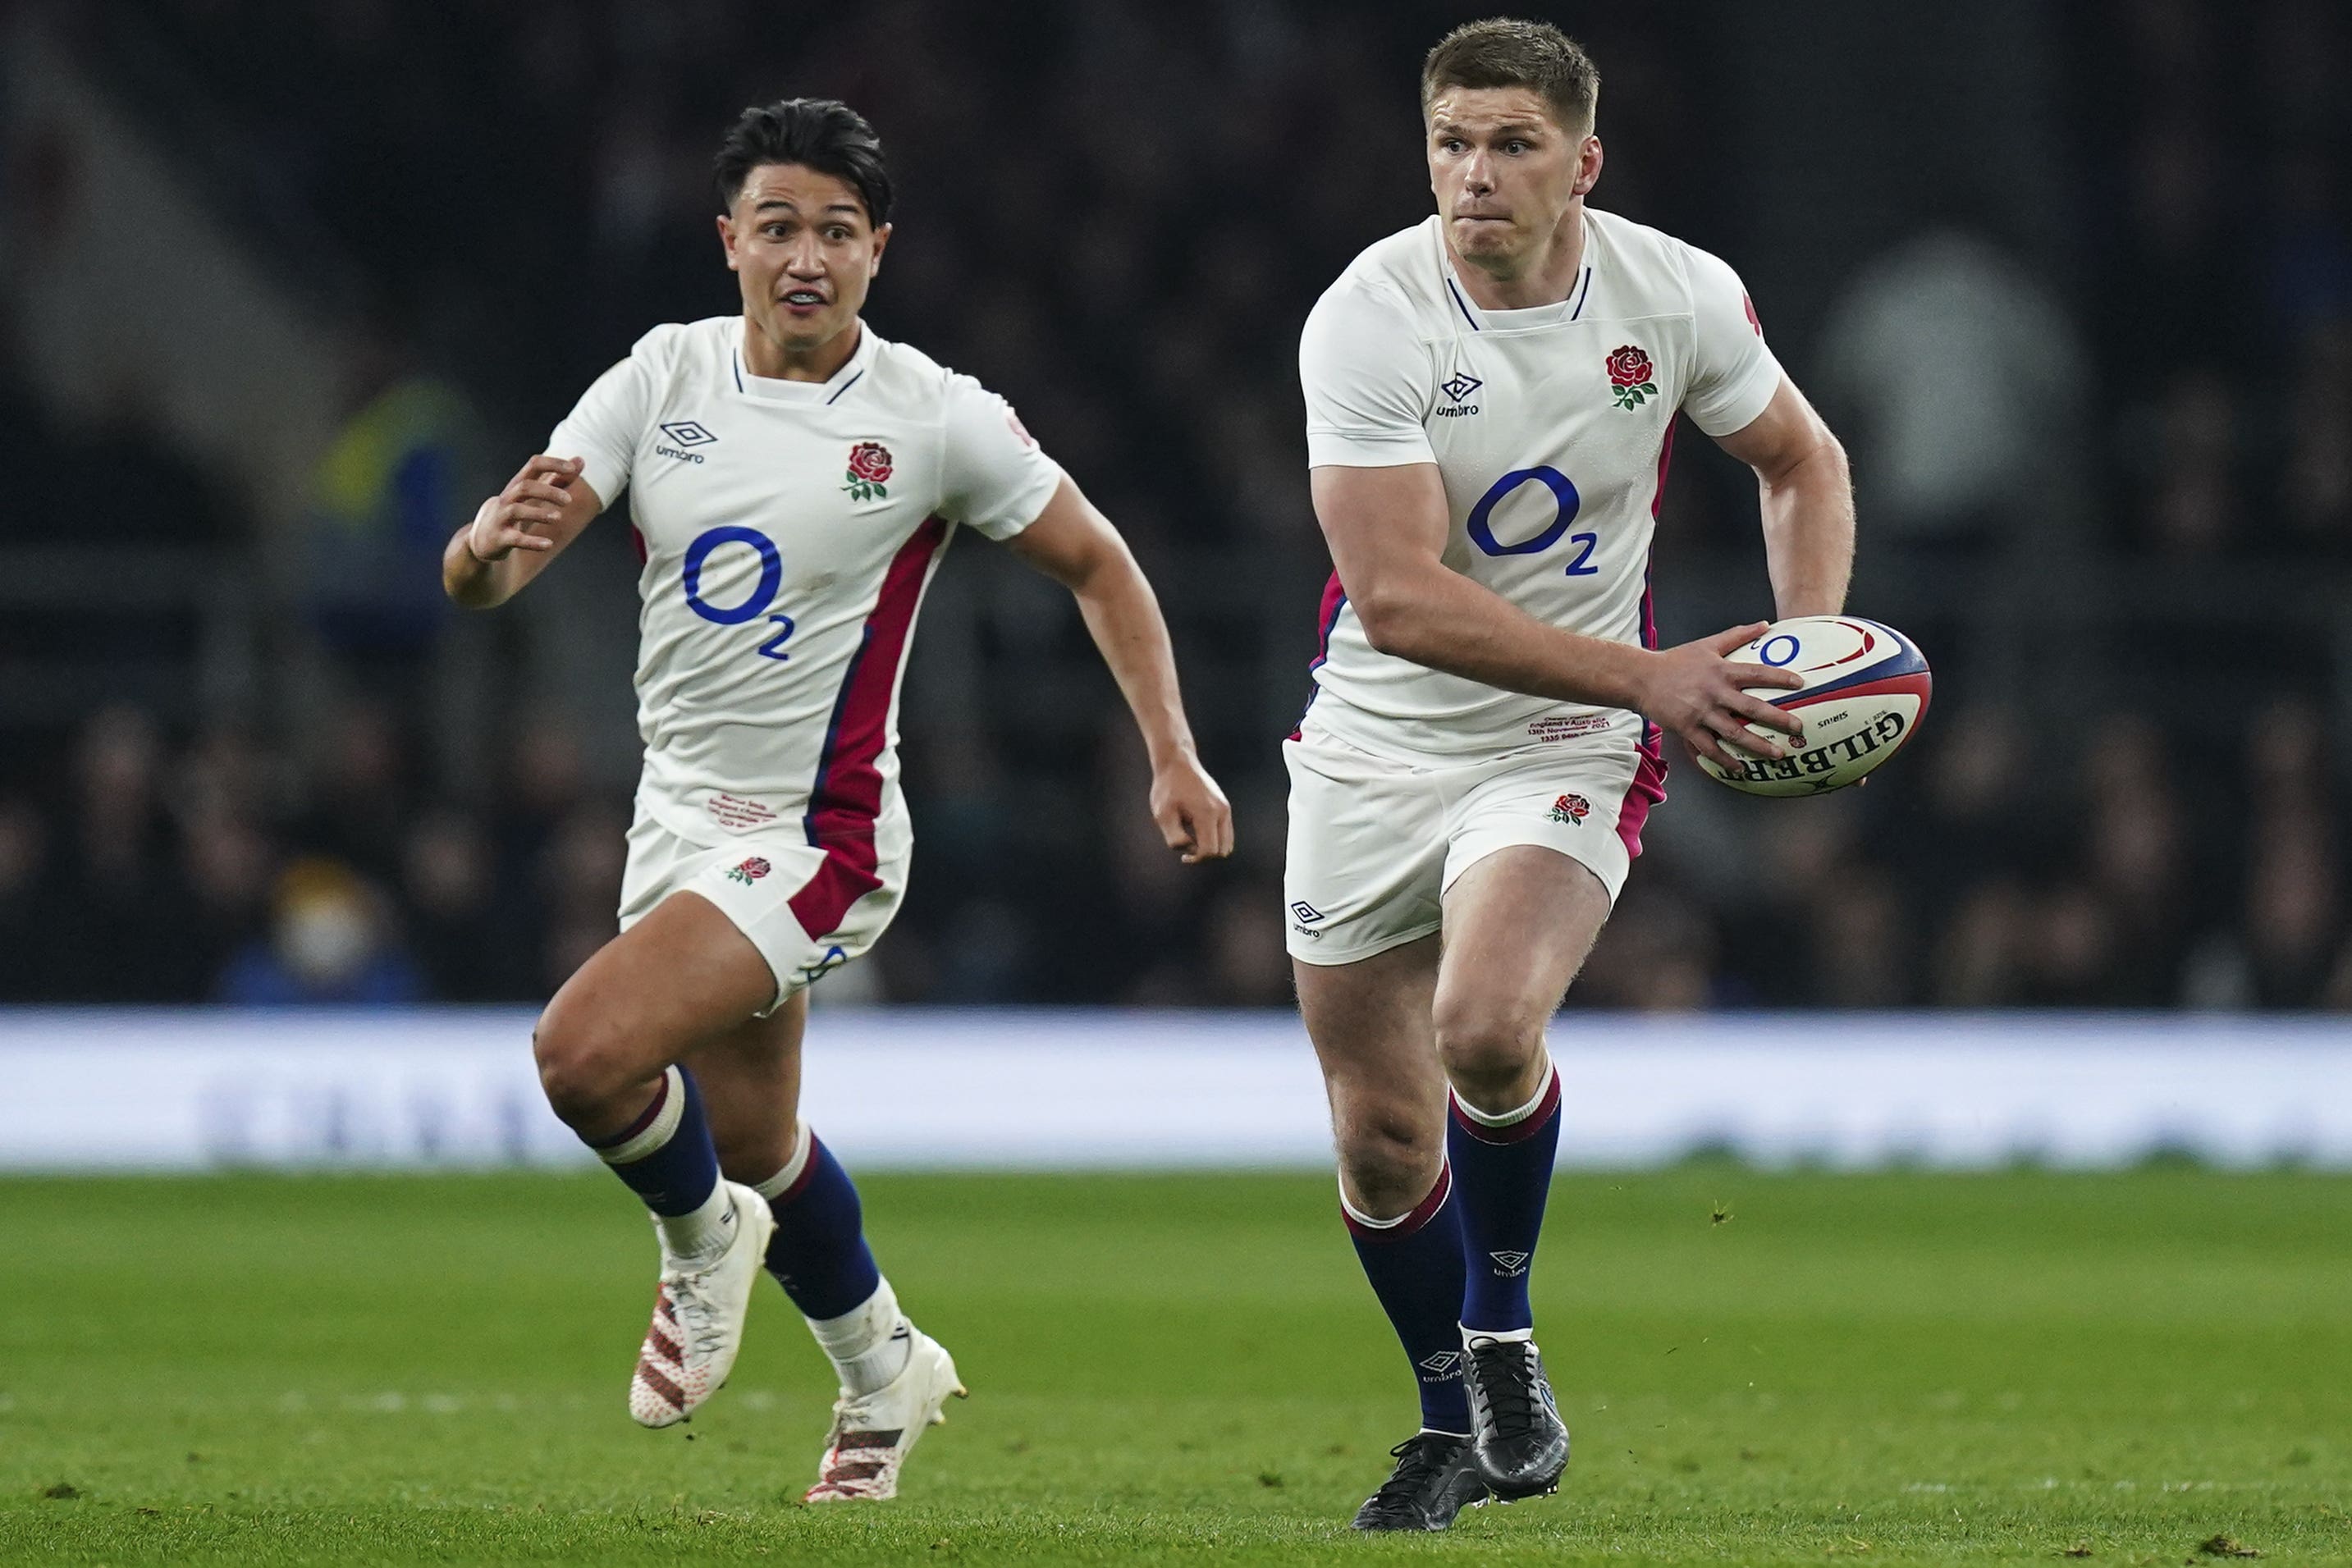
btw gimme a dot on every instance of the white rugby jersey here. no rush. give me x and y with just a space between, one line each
787 530
1552 427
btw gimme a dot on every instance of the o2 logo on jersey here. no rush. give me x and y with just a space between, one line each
1566 503
763 592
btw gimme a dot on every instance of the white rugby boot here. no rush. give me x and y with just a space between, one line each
873 1433
697 1325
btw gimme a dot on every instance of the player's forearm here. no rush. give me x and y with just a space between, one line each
1441 619
1809 532
467 577
1122 615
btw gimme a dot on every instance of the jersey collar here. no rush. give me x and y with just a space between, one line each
766 388
1480 320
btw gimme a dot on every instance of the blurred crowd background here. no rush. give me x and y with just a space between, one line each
286 288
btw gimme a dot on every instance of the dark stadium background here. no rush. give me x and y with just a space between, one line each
2073 282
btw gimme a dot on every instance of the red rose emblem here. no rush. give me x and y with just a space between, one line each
1629 377
755 868
1628 367
1571 809
870 461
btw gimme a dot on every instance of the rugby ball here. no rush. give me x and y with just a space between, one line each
1866 691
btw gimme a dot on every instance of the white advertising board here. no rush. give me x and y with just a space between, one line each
1008 1089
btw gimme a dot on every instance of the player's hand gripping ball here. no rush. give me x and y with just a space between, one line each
1866 691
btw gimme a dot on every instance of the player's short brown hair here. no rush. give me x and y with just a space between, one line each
1503 51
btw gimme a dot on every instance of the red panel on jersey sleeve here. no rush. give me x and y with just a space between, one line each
847 799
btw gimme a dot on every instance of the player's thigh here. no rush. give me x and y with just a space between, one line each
1518 924
1536 862
751 1081
1365 855
674 979
1370 1024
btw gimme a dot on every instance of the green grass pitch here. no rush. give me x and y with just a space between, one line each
2146 1368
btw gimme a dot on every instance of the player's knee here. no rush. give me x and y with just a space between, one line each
584 1068
1389 1156
1482 1044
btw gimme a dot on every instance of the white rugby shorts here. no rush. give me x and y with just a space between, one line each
1375 841
768 884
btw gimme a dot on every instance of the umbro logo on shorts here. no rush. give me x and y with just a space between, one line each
1307 913
1443 1363
1511 1265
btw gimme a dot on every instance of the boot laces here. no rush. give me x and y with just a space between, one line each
1505 1382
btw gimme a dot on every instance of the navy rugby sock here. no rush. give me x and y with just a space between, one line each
1414 1264
1504 1166
666 1154
818 1253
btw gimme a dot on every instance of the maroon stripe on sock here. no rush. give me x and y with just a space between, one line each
1421 1215
644 1118
1528 1126
808 1171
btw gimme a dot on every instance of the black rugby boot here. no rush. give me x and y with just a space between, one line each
1434 1477
1518 1440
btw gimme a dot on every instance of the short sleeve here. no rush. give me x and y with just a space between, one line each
1365 375
1733 374
604 426
993 475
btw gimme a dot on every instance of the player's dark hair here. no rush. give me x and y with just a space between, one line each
819 133
1505 52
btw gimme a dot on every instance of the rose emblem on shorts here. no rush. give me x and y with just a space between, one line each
749 871
1571 809
869 469
1629 374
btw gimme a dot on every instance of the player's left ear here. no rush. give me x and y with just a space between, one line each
1588 166
881 238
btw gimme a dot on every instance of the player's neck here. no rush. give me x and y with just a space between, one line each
771 361
1548 279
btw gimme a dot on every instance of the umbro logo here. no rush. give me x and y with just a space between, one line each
1511 1265
1458 386
1307 913
688 434
1443 1363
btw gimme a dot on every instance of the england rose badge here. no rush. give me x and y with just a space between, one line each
869 469
1630 376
